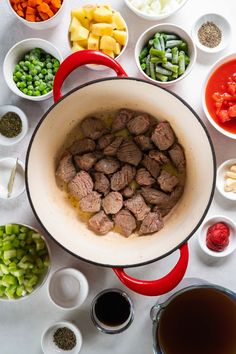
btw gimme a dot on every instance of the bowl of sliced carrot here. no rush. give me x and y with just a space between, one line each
38 14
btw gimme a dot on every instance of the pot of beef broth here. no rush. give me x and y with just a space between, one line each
63 223
199 318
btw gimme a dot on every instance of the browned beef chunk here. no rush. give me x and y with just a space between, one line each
101 183
121 119
105 140
100 223
144 142
128 192
167 181
163 136
151 223
81 185
125 222
161 199
111 150
93 128
163 211
177 157
112 203
137 206
144 178
91 203
86 161
123 177
82 146
129 152
159 157
139 124
107 165
66 170
151 165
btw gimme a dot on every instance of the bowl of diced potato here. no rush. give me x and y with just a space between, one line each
98 27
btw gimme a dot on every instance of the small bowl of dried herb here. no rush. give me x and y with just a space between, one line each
211 33
13 125
61 337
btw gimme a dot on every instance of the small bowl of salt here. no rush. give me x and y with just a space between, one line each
211 33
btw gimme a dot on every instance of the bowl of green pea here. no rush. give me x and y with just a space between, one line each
29 68
165 54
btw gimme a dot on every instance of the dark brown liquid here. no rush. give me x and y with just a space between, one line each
199 321
112 309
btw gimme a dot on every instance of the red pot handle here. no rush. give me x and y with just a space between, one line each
78 59
160 286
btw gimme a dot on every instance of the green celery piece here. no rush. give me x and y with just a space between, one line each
2 290
4 269
8 229
29 289
16 243
38 270
24 229
20 253
1 232
43 252
17 272
33 280
16 229
6 261
22 243
32 250
10 291
36 236
9 238
9 254
20 291
21 279
27 258
22 236
2 227
7 246
39 263
8 279
40 246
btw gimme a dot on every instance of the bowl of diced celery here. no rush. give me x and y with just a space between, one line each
165 54
29 68
24 261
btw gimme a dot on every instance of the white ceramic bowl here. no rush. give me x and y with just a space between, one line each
220 182
203 232
169 28
44 276
215 66
48 345
220 22
11 141
6 166
155 17
15 54
68 288
43 25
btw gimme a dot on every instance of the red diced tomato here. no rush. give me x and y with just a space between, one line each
232 111
223 116
234 76
217 97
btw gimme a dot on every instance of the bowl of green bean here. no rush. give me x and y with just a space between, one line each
24 261
165 54
29 68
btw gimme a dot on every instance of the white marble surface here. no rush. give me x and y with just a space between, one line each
22 323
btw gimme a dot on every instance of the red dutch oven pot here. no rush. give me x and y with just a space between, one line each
57 129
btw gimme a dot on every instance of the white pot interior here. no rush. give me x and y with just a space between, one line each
61 220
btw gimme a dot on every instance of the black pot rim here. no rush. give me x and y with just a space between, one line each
151 260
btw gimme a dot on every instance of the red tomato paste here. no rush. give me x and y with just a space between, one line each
217 238
221 96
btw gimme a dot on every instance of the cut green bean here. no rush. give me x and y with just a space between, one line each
157 44
143 53
173 43
163 71
161 77
175 55
169 56
152 71
156 60
157 53
181 63
169 37
170 66
162 42
148 66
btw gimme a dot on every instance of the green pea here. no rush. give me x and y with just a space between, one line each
21 63
22 85
50 71
36 78
18 74
41 64
17 67
23 77
29 78
36 83
42 87
49 65
25 90
40 76
15 78
27 63
18 84
37 93
44 92
30 87
44 71
30 92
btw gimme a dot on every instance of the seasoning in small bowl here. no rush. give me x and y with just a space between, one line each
64 338
13 125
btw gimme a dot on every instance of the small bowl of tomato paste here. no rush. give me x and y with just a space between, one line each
219 96
217 236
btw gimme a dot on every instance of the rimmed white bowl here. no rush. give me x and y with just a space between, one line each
42 25
222 23
168 28
11 141
155 17
214 67
48 345
232 238
220 182
16 53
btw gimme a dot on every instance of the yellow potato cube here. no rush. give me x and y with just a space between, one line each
107 6
81 33
74 25
102 29
76 47
83 43
108 43
102 14
120 36
109 52
93 42
119 21
89 11
81 16
117 49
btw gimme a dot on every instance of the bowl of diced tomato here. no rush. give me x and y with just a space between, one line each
219 96
38 14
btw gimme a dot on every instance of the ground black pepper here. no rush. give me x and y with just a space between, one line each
64 338
10 125
209 35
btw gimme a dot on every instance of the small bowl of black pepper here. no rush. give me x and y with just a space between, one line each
211 33
61 337
13 125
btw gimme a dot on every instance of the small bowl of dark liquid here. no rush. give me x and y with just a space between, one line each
112 311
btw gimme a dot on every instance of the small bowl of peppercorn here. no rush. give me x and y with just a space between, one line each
13 125
62 336
211 33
